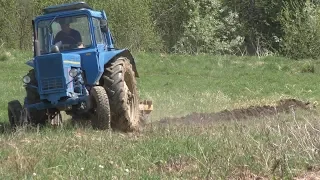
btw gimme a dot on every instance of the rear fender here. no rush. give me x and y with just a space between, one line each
106 57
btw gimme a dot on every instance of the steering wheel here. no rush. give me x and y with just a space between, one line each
72 43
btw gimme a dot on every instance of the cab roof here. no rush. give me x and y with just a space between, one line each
66 7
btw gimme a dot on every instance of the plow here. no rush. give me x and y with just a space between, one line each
77 69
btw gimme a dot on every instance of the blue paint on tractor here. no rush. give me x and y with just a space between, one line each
65 75
53 75
60 105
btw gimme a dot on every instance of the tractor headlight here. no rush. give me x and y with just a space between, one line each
26 79
73 73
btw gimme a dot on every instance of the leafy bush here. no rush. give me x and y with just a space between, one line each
259 24
15 23
209 30
302 31
168 17
130 22
257 27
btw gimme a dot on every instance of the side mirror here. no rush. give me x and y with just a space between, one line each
104 25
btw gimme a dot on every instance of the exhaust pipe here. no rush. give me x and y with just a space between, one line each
36 43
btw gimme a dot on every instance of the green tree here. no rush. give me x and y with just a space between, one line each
130 22
210 29
301 26
169 17
261 27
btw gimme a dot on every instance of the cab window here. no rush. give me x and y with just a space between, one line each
97 31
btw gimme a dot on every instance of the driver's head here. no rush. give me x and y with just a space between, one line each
65 26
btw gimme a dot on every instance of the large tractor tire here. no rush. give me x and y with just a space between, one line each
37 116
14 113
120 84
101 109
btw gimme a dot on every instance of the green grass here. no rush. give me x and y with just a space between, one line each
281 146
267 147
179 85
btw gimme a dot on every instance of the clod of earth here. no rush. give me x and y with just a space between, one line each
283 106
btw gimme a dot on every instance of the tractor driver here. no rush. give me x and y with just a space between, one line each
68 35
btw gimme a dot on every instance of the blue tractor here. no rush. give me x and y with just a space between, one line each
77 69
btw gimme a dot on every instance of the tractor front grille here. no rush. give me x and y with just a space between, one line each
52 84
51 73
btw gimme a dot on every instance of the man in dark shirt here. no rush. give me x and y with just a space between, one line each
68 35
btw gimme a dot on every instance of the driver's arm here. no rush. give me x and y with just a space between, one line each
78 39
80 45
57 38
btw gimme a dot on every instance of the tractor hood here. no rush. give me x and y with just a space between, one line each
52 73
74 59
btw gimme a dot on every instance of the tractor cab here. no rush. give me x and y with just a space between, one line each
72 45
73 27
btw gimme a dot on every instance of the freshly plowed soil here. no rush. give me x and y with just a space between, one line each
283 106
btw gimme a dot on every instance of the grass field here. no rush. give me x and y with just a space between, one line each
282 146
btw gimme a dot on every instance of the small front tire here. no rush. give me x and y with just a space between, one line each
100 119
14 113
36 116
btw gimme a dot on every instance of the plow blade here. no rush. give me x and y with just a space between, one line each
145 108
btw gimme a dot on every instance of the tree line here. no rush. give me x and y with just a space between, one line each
239 27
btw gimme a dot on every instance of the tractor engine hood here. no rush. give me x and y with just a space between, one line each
52 73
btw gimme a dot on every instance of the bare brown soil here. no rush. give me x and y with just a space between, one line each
283 106
309 176
313 173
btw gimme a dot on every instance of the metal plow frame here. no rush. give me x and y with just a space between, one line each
145 108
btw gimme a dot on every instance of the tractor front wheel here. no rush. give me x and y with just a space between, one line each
101 109
14 113
120 84
37 116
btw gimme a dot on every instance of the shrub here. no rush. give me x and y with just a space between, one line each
302 31
209 29
168 17
130 22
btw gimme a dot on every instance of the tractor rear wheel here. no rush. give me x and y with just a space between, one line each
120 84
37 117
101 108
14 113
